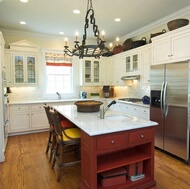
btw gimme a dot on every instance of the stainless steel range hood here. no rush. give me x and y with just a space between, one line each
132 77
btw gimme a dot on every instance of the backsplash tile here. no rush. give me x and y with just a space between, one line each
137 90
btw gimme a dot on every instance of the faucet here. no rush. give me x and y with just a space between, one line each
104 110
59 96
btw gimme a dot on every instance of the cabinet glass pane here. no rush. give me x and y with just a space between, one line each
135 62
19 69
96 71
128 62
87 71
31 75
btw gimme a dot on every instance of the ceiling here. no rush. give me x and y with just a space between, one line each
52 16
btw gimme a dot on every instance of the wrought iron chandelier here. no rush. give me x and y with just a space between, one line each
88 50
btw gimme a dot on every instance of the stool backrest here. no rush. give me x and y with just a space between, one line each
56 121
47 109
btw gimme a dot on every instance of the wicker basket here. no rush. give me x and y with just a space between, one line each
175 24
88 106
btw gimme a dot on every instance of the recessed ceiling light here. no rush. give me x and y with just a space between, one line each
61 33
22 22
76 11
117 19
24 1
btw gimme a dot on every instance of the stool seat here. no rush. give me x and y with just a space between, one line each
70 134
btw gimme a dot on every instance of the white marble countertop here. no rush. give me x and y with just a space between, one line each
92 124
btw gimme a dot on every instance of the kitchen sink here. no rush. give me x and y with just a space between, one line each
116 117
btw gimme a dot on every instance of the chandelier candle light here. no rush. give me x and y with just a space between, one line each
88 50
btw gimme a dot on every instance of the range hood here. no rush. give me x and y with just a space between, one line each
132 77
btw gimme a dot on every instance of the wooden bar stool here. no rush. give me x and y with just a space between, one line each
67 141
52 136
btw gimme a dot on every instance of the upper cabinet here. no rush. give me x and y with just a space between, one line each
90 74
145 63
132 62
171 47
21 63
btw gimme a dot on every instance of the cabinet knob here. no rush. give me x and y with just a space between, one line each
112 141
142 136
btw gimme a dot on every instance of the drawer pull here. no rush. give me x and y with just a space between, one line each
112 142
142 136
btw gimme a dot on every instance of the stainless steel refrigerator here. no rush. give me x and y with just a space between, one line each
169 106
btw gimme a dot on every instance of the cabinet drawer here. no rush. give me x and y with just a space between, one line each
140 136
113 141
38 107
18 108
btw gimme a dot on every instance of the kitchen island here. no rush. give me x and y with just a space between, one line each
114 142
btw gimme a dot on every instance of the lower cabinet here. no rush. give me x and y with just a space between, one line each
25 118
118 150
132 109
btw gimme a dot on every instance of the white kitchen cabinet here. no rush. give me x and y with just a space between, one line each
38 117
171 47
21 63
106 71
24 69
131 109
27 118
118 69
90 72
145 63
19 118
132 62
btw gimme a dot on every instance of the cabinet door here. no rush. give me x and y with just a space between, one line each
18 66
87 71
19 121
39 120
161 51
145 65
96 71
180 47
30 69
132 62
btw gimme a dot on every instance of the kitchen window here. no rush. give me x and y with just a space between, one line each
59 74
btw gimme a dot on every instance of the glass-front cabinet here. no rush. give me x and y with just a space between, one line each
91 71
132 62
24 69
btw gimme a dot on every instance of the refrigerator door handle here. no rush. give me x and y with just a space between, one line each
165 103
161 99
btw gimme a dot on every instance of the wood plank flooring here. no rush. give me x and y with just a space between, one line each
27 167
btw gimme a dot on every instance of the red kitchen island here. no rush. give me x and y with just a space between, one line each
118 141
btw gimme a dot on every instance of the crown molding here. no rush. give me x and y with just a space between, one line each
149 27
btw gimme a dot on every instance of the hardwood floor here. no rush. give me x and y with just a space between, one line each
27 167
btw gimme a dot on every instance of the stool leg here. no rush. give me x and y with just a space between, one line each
55 155
53 145
49 142
60 164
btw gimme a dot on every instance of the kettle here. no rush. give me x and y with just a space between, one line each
83 94
146 99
